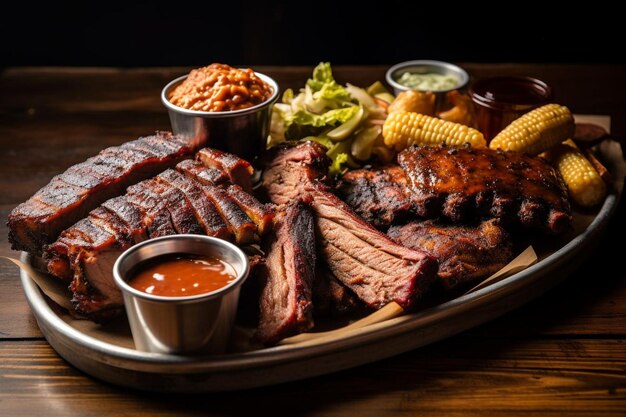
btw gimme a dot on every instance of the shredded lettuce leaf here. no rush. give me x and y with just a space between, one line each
339 165
321 106
331 117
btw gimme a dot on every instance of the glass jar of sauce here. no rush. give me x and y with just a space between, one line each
500 100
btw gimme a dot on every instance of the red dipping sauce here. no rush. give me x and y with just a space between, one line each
180 275
500 100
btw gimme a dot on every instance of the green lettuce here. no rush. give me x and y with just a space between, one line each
330 118
339 165
317 109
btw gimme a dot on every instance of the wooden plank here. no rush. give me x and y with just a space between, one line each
549 377
16 319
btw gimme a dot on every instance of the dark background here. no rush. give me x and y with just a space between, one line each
304 33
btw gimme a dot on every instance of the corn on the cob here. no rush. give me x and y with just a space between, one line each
583 182
536 131
403 129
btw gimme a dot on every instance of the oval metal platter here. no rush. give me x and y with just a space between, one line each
172 373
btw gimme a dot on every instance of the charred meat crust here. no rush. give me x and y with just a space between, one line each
196 170
239 170
466 183
72 194
379 195
285 304
465 253
171 203
369 263
205 211
261 214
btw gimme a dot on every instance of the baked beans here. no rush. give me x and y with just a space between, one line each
219 87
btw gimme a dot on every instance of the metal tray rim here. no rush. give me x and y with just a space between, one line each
130 359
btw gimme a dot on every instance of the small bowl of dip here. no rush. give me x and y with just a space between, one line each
424 75
181 292
223 107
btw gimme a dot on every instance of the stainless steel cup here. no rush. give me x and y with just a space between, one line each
428 66
193 324
242 132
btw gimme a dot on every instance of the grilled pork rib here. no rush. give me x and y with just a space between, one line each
465 253
173 202
72 194
379 195
239 170
465 183
460 185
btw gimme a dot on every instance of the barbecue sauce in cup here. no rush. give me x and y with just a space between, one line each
180 275
500 100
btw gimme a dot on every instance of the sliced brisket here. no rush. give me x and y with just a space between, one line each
374 267
289 169
369 263
285 305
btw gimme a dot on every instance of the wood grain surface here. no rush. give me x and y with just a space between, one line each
562 354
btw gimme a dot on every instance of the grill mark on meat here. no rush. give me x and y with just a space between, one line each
285 304
260 214
58 193
205 211
196 170
81 188
131 215
158 220
238 170
112 224
465 253
465 183
181 212
129 151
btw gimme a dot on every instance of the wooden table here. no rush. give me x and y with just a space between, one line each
563 354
